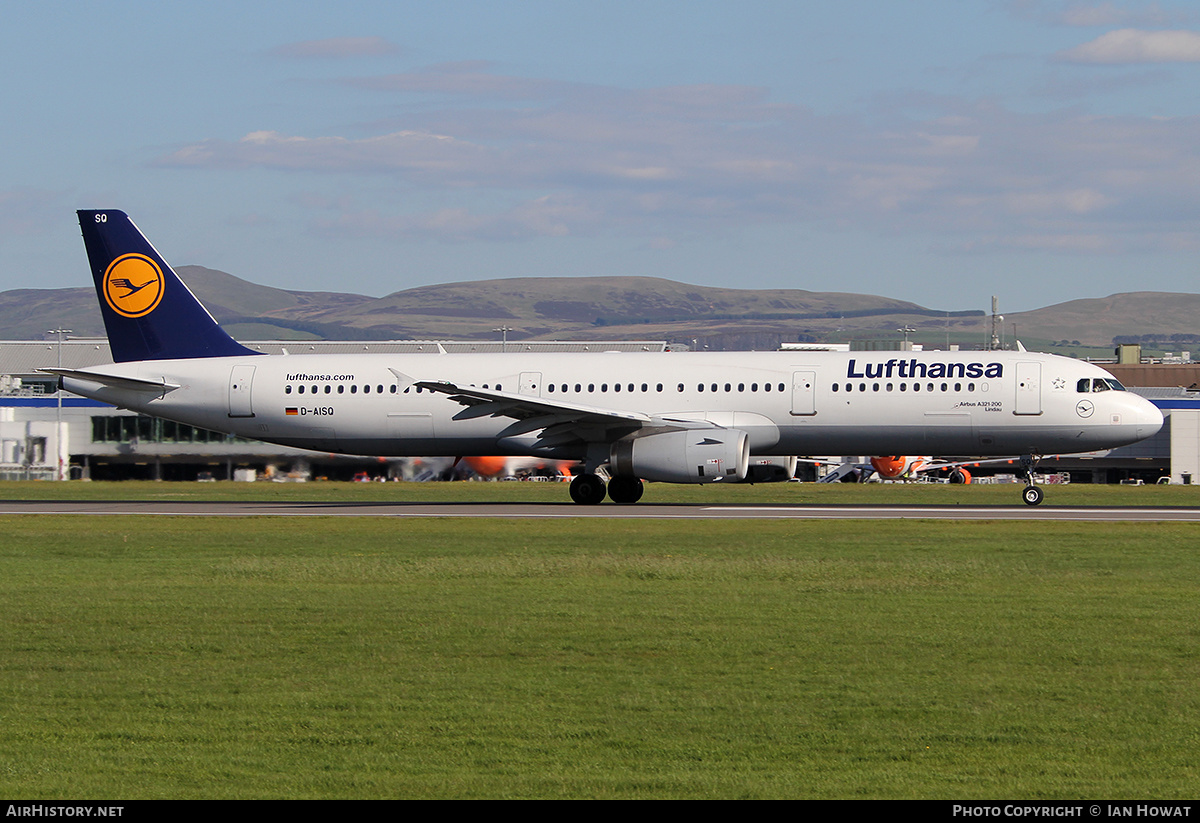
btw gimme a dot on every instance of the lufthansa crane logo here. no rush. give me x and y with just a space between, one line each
133 285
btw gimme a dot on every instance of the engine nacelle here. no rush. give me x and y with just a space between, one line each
771 470
691 456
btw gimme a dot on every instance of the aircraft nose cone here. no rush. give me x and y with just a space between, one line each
1149 418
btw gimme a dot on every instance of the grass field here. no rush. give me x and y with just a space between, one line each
239 658
1079 494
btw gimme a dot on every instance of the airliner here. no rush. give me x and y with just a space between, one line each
628 417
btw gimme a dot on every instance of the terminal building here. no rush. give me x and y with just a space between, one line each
46 434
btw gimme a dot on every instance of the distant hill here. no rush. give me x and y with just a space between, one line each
607 308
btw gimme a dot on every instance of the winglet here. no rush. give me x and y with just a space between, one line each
148 311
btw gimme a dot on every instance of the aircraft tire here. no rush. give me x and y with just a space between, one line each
625 490
587 489
1032 495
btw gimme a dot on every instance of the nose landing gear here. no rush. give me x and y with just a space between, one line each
1031 494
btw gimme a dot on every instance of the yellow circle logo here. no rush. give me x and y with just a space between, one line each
133 285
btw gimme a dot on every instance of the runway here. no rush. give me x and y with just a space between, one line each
542 511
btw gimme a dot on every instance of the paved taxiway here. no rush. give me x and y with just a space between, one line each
569 510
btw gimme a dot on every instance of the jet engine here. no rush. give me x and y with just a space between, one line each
689 456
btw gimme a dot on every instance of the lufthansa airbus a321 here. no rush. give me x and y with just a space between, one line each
669 417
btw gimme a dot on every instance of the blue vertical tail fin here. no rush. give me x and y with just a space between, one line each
148 311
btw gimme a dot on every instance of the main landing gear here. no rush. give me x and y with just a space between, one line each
1031 494
588 489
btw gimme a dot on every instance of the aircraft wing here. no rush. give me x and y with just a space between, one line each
560 421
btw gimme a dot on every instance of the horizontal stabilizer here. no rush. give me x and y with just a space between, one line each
113 381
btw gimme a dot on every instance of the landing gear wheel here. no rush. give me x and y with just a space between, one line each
587 489
625 489
1032 495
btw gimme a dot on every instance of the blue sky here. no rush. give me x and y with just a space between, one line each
940 152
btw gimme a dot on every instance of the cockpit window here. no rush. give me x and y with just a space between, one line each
1095 384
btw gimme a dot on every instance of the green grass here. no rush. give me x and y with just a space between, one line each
1078 494
234 658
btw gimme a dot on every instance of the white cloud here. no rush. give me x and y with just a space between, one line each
1137 46
663 163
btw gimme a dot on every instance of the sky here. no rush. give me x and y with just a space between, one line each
938 151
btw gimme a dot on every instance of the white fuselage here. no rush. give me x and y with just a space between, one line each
789 403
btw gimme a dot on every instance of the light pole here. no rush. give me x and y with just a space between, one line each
58 444
504 330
